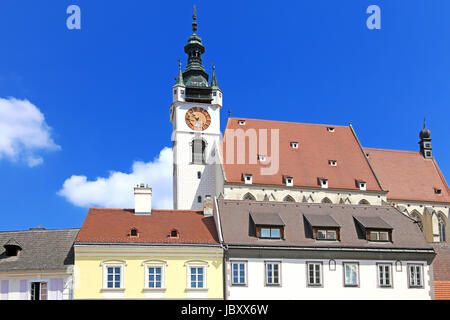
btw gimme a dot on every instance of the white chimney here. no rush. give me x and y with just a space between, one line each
142 199
208 206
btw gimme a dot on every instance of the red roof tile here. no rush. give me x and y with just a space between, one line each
407 175
114 226
310 161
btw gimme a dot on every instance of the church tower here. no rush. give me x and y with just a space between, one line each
195 118
425 142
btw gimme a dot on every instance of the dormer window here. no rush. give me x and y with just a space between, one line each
174 233
375 229
289 181
248 179
294 145
330 129
133 232
437 191
262 157
268 225
376 235
362 185
332 163
326 234
241 122
323 183
12 248
323 227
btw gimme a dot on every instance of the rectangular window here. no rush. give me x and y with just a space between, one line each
314 274
384 275
324 234
39 291
238 273
197 277
155 275
379 236
273 273
415 275
351 274
271 233
113 277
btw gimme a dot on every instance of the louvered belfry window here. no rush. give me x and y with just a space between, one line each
198 150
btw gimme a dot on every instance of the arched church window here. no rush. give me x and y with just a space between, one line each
326 200
249 196
441 229
364 201
198 151
288 199
416 217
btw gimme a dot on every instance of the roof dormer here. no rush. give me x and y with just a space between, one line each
323 183
248 178
289 181
12 248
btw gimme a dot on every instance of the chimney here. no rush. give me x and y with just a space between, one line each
208 206
142 199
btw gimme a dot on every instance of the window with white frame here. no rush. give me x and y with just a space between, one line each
384 275
330 129
273 273
155 276
294 145
262 157
241 122
314 275
362 185
197 277
238 273
415 275
332 163
323 182
289 181
351 276
113 275
248 178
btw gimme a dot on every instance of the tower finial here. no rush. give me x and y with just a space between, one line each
424 120
194 23
179 78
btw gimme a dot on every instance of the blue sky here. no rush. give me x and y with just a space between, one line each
105 90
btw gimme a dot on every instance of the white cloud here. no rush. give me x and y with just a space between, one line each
116 191
23 132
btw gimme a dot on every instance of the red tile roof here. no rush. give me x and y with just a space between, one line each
441 271
310 161
407 175
114 226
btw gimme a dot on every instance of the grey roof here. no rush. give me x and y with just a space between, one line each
41 250
267 218
237 230
321 220
373 223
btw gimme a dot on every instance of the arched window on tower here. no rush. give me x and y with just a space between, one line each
441 225
288 198
198 151
248 196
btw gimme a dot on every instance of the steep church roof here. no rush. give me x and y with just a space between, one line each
317 145
407 175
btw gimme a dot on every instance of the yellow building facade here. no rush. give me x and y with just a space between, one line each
148 272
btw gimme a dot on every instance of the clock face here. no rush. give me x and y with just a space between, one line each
198 119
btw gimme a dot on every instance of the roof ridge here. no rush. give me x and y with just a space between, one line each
390 150
64 229
291 122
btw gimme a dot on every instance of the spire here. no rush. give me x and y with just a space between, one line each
195 74
194 22
180 81
425 142
214 84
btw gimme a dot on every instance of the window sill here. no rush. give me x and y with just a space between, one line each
155 289
273 285
113 289
196 289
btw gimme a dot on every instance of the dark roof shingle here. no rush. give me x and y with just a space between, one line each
41 250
